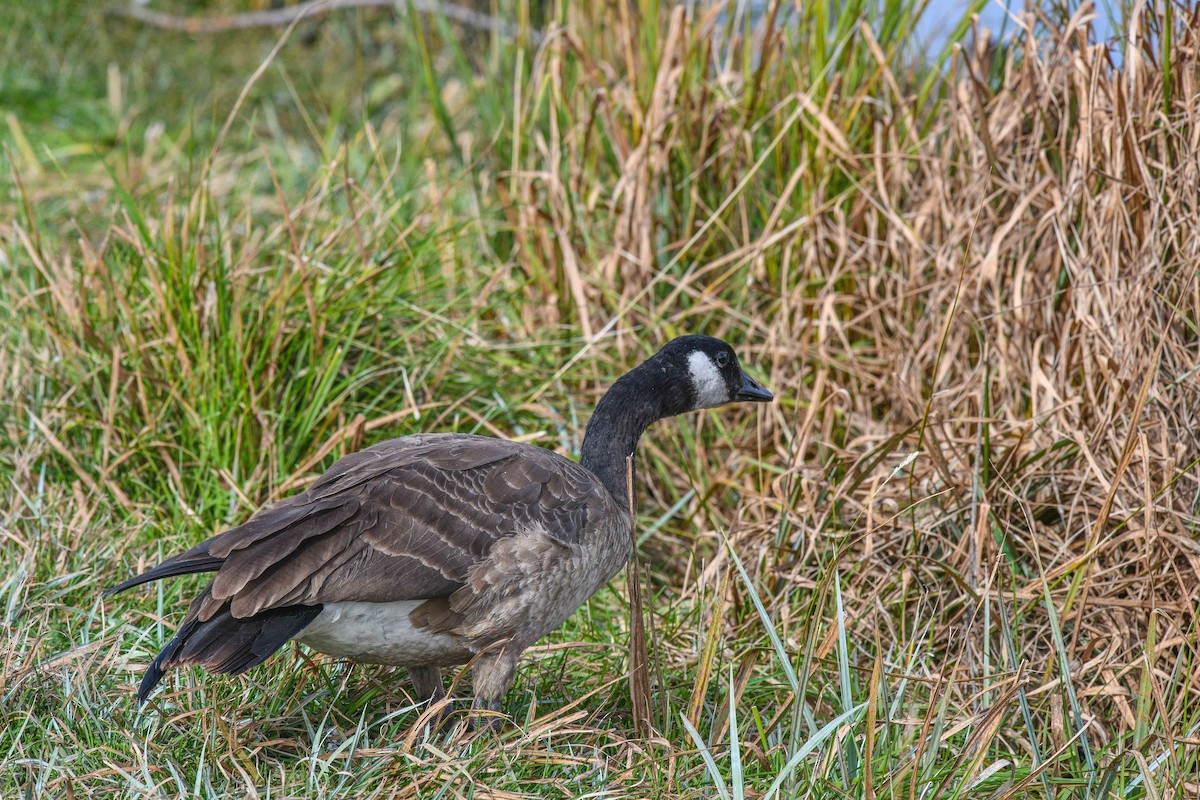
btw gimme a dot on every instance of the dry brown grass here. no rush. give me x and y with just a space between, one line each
1013 293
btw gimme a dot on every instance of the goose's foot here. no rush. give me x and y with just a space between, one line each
493 675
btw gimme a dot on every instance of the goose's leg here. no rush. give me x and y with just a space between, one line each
427 683
492 675
428 686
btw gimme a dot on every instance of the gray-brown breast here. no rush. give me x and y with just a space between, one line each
403 520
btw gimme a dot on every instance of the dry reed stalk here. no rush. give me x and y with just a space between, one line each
632 254
639 658
996 292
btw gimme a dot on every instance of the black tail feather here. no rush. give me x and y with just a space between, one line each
189 563
158 666
226 644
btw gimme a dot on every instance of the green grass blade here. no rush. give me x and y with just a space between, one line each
718 780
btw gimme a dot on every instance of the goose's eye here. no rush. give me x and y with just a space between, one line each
722 360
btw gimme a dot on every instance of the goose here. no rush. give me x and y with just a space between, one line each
438 549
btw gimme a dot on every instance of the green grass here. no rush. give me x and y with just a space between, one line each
218 279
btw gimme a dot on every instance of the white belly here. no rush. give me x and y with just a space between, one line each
380 633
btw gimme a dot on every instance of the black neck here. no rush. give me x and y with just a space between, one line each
621 416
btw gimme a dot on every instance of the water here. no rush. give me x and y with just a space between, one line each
999 17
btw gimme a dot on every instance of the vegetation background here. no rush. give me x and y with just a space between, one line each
958 557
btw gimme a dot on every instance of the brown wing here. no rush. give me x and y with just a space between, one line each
403 520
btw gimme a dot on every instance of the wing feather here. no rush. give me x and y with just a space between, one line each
406 519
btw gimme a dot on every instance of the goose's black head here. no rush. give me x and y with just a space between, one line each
696 372
688 373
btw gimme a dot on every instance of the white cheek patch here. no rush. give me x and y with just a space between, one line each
711 390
